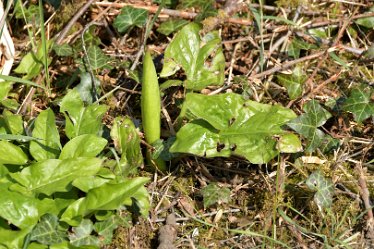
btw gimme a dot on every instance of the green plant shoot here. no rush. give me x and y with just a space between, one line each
151 107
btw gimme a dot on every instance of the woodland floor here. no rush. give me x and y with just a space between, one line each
269 205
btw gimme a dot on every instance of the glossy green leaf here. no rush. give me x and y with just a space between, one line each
139 201
19 80
293 82
32 63
360 104
17 209
20 138
201 58
226 124
11 154
67 245
5 87
48 147
13 238
35 245
213 194
85 183
54 175
127 143
10 104
171 25
13 122
81 235
129 18
289 143
86 145
53 205
307 124
324 189
109 196
46 231
81 120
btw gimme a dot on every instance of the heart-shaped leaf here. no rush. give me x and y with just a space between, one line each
46 232
130 17
226 124
170 25
360 104
81 235
213 193
201 58
307 124
293 82
324 189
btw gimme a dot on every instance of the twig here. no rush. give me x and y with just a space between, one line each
335 21
365 195
70 24
336 41
333 78
170 12
286 65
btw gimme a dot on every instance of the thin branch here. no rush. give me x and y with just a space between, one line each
73 20
286 65
170 12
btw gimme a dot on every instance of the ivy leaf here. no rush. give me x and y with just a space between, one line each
63 49
171 25
293 82
81 235
226 124
297 45
359 104
324 189
307 124
46 231
129 18
201 58
213 194
97 58
105 228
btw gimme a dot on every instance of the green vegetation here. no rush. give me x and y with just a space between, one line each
251 123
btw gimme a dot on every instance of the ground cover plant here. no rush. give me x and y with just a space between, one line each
187 124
